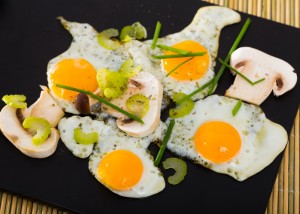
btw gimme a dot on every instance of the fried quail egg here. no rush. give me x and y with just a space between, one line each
239 146
124 165
201 35
77 66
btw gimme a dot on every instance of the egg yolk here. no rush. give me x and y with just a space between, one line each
193 69
78 73
120 169
217 141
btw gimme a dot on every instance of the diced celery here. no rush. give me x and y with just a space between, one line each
106 40
138 105
180 168
183 108
16 100
85 138
128 69
135 31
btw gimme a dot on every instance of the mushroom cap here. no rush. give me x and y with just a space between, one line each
13 130
255 65
143 83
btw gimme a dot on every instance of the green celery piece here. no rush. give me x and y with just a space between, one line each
183 108
180 168
15 100
138 104
85 138
40 126
105 39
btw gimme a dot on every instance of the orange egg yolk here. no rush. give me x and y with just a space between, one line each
217 141
78 73
120 169
193 69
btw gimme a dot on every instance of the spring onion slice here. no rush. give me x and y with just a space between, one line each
178 55
240 74
196 91
156 34
180 64
164 142
234 46
237 107
176 50
132 116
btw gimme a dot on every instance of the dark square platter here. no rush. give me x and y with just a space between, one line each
31 36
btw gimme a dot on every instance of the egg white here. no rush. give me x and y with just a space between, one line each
262 139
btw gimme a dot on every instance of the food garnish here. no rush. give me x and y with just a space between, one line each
237 107
183 108
106 39
85 138
16 100
180 168
134 31
156 34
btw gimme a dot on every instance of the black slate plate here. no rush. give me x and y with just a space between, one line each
31 36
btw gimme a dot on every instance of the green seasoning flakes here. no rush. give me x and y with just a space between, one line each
180 168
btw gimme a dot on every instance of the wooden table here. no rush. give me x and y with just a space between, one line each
285 196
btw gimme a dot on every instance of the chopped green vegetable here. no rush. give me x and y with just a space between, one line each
176 50
135 31
111 83
132 116
156 34
234 46
164 143
85 138
16 100
240 74
40 126
237 107
106 40
180 64
180 168
191 54
138 104
128 69
182 109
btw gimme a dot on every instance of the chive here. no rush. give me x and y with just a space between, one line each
234 46
240 74
178 55
196 91
164 142
180 64
176 50
237 107
156 34
132 116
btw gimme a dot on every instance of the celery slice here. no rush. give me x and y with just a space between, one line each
40 126
135 31
16 100
182 108
106 40
180 168
128 69
138 105
85 138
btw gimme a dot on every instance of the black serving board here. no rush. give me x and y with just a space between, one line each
30 36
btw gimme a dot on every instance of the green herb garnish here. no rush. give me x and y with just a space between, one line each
176 50
132 116
190 54
234 46
237 107
180 64
164 142
240 74
156 34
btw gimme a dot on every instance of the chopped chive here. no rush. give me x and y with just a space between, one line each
196 91
176 50
156 34
132 116
178 55
234 46
180 64
164 142
240 74
237 107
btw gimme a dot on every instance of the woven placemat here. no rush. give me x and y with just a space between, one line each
285 196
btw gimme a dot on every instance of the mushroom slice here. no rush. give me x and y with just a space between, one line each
13 130
255 64
45 107
147 86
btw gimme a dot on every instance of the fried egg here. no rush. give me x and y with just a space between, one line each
201 35
77 66
124 165
239 146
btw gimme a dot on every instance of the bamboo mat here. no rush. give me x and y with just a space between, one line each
285 196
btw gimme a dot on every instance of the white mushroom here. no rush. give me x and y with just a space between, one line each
254 64
13 130
148 85
45 107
